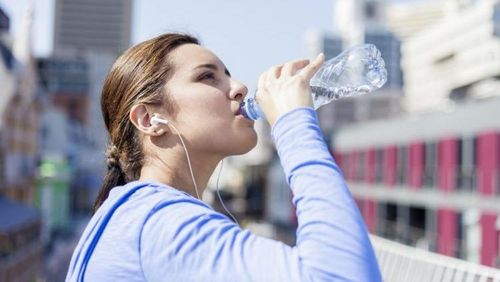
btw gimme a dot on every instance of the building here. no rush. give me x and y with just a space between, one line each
18 117
92 25
406 20
358 22
20 223
427 180
470 55
342 111
66 83
63 138
390 49
4 21
90 35
20 248
430 180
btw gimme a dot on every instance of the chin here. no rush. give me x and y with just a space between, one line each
246 144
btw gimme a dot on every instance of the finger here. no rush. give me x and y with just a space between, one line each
291 68
313 67
276 71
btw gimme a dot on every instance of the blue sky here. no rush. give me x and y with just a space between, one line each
249 36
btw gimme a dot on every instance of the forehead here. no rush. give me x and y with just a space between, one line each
188 56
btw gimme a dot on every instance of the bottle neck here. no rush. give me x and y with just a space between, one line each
250 109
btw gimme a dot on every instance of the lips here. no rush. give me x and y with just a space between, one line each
238 112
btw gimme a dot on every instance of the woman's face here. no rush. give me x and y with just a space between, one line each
207 101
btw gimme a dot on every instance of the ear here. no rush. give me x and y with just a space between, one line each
140 115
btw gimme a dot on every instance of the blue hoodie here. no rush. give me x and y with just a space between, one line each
152 232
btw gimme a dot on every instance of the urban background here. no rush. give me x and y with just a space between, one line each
421 155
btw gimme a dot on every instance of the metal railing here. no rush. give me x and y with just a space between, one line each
403 263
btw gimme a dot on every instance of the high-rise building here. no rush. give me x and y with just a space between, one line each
390 49
356 22
88 37
66 82
97 25
342 111
462 50
4 21
406 20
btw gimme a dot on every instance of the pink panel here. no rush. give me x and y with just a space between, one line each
342 160
370 214
337 156
488 164
370 166
447 162
369 210
416 164
447 218
489 240
346 160
447 230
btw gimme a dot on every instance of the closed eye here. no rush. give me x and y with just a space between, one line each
207 76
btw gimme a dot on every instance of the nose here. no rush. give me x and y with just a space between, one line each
238 90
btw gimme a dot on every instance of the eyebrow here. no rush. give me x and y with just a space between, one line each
213 67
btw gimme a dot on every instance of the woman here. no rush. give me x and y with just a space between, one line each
169 96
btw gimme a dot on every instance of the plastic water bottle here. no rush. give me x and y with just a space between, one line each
358 70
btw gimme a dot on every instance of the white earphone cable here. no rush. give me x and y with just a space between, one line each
166 122
218 194
189 161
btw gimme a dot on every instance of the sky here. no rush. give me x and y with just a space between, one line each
249 36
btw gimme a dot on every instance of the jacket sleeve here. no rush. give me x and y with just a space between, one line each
185 240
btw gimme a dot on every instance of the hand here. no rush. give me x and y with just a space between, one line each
283 88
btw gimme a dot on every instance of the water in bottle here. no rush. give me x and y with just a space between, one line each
356 71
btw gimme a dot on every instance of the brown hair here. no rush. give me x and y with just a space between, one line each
138 76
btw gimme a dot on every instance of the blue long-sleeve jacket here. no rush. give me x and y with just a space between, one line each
153 232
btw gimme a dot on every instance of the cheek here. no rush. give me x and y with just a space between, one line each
226 137
211 127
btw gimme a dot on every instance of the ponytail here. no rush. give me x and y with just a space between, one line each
114 177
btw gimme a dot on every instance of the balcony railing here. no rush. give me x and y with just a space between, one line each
403 263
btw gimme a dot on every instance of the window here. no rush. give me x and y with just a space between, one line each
417 222
361 166
379 165
391 218
466 162
430 164
402 165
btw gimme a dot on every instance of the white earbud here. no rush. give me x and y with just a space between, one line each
156 120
